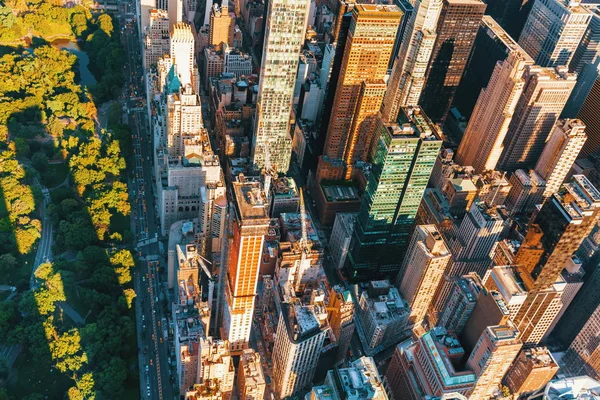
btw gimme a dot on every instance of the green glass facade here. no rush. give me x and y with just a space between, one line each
402 163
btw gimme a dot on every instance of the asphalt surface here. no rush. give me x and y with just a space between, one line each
44 250
155 377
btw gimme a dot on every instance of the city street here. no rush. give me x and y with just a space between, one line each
155 377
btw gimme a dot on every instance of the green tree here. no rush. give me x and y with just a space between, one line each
40 161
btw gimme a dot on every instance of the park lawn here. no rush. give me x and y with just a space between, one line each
55 174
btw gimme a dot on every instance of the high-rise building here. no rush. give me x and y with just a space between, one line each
572 275
532 311
408 73
481 144
453 315
560 152
184 119
492 357
579 311
216 366
429 367
490 309
175 10
340 310
578 387
360 380
532 370
422 270
251 378
553 31
382 315
492 45
182 53
526 191
583 355
508 14
588 115
403 160
476 239
157 43
558 229
456 30
222 25
284 35
300 334
251 224
544 96
360 88
588 50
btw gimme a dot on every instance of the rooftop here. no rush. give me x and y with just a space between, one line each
420 122
577 388
250 198
437 350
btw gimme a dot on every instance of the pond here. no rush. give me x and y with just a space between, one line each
83 59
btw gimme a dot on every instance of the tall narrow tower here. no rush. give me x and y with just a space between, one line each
284 35
559 155
408 72
182 52
553 31
456 30
404 158
544 96
251 224
360 87
481 144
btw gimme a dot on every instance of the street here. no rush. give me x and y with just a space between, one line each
155 377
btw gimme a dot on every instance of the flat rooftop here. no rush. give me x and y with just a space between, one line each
250 198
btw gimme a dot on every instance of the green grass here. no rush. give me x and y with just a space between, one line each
55 174
78 305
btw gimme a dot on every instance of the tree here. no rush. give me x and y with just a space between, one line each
40 161
8 263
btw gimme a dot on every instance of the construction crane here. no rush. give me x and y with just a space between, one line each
304 245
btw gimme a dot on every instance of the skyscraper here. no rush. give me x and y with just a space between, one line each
492 357
284 35
456 29
532 370
588 114
251 378
553 31
157 41
481 144
403 160
184 119
222 25
561 150
453 315
301 331
340 310
182 52
588 50
492 44
430 367
422 270
360 88
544 96
251 224
563 222
408 72
583 355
